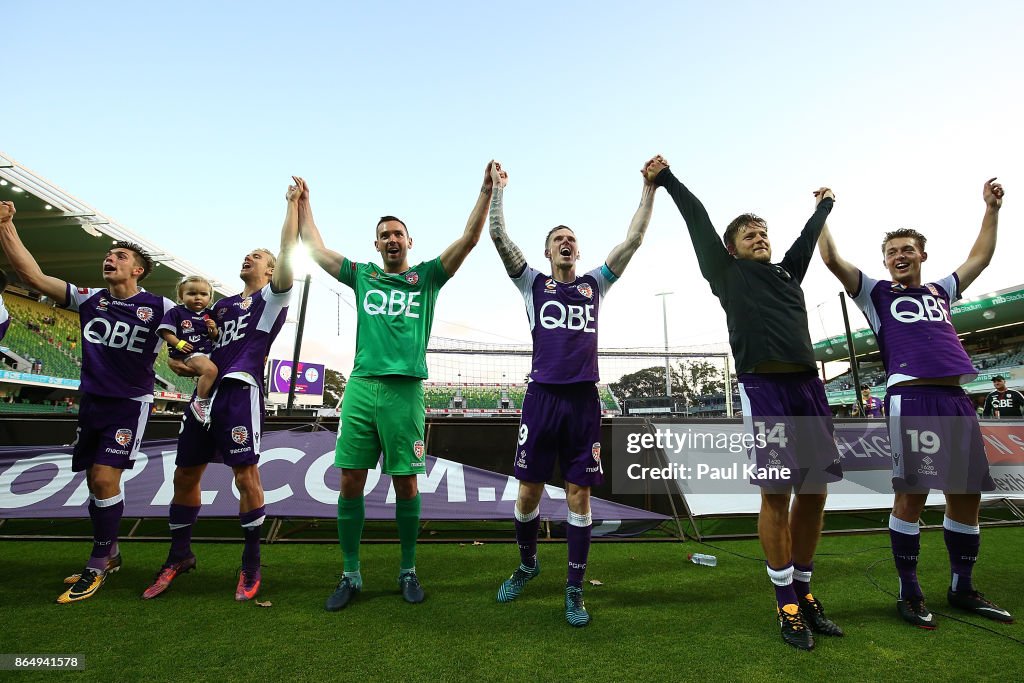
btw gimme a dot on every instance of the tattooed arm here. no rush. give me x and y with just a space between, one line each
510 254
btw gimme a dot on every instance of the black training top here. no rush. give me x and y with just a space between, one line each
763 302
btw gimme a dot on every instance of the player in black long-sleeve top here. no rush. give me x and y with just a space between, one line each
767 318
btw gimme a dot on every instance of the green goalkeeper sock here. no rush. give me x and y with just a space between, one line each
351 514
407 515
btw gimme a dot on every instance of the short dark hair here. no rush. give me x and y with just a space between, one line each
905 232
385 219
141 257
998 378
555 229
864 386
729 236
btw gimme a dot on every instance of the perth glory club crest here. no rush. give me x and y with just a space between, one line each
239 435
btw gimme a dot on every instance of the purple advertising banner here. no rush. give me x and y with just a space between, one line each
299 477
308 380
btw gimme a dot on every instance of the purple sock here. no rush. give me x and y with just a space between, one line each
802 578
905 549
527 526
962 542
106 518
251 523
782 580
578 536
181 520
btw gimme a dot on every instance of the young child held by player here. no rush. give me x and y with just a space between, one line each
190 331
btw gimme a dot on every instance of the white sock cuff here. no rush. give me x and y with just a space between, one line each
107 502
255 523
577 519
781 577
528 516
799 575
900 526
959 528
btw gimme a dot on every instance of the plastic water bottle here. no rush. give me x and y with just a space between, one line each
700 558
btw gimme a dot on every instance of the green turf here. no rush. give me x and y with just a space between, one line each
656 616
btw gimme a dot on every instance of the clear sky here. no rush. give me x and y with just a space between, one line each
185 121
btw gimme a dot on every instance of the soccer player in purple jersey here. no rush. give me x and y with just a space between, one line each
561 420
248 324
119 344
934 434
780 391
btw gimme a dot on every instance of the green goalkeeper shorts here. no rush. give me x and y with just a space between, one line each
382 415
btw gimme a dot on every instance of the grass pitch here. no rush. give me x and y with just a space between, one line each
655 616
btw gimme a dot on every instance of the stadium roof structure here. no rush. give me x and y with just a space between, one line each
1002 309
69 238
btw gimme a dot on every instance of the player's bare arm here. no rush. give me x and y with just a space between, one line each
457 252
283 276
23 261
327 259
985 246
511 255
847 273
621 254
178 344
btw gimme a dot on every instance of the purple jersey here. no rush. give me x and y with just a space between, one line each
873 407
248 326
5 319
119 340
563 323
187 325
915 336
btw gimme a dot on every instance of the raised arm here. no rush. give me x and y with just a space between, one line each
712 256
985 246
457 251
283 276
798 259
621 254
511 255
326 258
24 264
847 273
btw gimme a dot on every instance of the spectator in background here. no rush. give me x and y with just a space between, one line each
1003 402
873 406
5 318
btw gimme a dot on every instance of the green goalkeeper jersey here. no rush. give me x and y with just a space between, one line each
394 313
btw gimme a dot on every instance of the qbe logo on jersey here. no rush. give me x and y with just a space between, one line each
123 436
239 435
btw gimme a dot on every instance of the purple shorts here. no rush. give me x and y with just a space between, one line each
109 432
560 422
789 418
936 441
233 436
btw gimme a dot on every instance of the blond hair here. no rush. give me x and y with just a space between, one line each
193 278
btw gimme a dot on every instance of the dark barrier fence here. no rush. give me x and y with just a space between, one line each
484 442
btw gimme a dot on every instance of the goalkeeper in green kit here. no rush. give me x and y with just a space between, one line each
383 409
